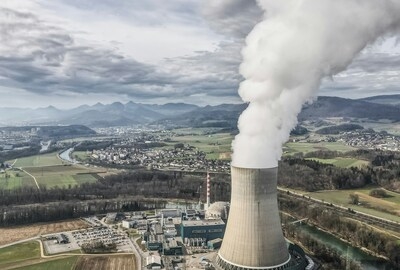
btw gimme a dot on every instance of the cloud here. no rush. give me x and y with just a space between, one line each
232 18
178 50
44 59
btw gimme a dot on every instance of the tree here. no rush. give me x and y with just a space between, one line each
354 198
378 193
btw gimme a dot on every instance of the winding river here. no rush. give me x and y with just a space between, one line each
368 262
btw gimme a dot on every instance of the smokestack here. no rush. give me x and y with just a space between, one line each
253 236
208 190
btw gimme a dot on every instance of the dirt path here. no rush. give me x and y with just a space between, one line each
34 178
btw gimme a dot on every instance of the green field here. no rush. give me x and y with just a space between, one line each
216 146
15 178
49 159
48 170
291 148
80 155
368 204
59 264
342 162
20 252
64 175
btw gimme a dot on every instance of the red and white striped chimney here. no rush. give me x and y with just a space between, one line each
208 190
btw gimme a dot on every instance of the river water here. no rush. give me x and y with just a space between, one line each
66 155
367 261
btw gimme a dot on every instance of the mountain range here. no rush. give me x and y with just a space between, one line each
189 115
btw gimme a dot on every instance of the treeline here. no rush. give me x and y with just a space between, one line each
133 183
27 214
311 175
352 231
32 150
339 128
330 258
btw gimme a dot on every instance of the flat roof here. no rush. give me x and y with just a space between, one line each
204 222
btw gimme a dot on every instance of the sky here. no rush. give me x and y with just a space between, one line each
67 53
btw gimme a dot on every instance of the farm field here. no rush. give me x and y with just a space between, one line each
291 148
50 171
49 159
368 204
216 146
59 264
80 155
123 262
14 178
342 162
12 234
18 253
63 175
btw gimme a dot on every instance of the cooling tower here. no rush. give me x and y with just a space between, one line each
253 237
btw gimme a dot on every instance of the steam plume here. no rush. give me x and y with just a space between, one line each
298 43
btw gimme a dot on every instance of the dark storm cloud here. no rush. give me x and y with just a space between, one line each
232 18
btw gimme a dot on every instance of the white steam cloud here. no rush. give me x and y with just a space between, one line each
298 43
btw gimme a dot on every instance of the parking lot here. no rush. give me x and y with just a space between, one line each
105 235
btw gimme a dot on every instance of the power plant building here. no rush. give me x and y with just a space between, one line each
253 237
202 229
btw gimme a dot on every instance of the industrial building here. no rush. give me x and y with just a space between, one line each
172 247
202 229
253 237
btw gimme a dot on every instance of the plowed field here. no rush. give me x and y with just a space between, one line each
120 262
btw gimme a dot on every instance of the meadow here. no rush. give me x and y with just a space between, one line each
368 204
64 175
49 170
49 159
342 162
216 146
15 178
291 148
24 252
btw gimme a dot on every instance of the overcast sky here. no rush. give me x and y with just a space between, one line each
71 52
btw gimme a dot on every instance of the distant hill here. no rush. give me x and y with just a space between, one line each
187 115
98 115
384 99
223 116
340 107
339 128
54 131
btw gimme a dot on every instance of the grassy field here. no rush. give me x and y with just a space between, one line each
216 146
59 264
343 162
291 148
17 253
11 234
49 159
368 204
48 170
63 175
12 179
80 155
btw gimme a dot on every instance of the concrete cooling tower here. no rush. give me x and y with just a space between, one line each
253 237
